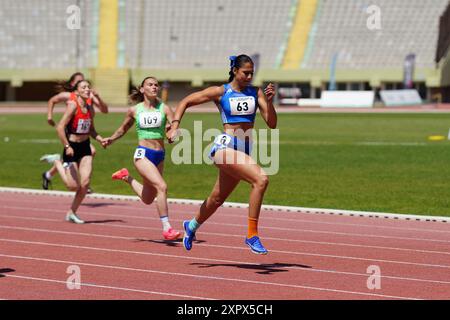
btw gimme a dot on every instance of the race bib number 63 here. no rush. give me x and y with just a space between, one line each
242 105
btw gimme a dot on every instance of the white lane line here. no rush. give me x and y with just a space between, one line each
29 218
83 284
62 212
218 278
40 141
149 210
239 262
290 253
223 235
338 212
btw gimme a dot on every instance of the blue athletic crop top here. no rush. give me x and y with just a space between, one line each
238 106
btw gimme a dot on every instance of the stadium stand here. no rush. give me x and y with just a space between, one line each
407 26
175 34
444 34
186 44
34 34
443 56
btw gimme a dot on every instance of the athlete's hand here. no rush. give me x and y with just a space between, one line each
69 152
269 91
93 93
172 135
50 121
106 142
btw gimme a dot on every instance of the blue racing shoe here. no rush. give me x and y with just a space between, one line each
255 244
189 236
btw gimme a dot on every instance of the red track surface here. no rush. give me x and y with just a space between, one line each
121 254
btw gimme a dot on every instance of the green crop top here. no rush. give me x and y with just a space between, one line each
150 124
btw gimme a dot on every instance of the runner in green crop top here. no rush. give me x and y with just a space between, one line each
150 122
151 118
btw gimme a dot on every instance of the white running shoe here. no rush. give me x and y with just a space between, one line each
72 217
50 158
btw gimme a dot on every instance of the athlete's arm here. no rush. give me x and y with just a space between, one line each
170 116
124 127
60 128
58 98
169 113
93 133
196 98
265 101
98 102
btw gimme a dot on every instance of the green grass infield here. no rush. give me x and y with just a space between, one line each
366 162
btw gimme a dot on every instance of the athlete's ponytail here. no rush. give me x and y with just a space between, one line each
66 86
237 62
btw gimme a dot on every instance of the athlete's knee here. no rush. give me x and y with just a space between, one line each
161 187
261 182
85 183
72 186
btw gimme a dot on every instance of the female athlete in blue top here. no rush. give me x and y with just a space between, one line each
238 102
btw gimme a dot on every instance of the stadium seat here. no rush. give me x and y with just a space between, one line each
407 26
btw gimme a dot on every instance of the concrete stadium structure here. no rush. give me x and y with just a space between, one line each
116 43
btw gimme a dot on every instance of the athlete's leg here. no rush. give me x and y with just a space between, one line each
225 184
85 171
52 171
145 191
93 151
69 174
248 170
48 175
154 185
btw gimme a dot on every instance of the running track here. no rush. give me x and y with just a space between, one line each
121 255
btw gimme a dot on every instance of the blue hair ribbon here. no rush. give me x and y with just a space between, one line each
232 61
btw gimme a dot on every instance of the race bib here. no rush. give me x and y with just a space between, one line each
139 153
242 105
150 120
84 126
222 140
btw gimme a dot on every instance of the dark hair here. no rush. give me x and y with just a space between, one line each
237 62
66 86
75 86
136 96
